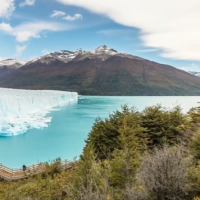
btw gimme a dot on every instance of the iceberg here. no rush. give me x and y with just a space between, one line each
21 110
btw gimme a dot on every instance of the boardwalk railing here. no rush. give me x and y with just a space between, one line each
11 174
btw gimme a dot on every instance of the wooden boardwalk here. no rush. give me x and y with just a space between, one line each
11 174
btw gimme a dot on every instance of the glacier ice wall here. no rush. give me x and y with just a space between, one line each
21 110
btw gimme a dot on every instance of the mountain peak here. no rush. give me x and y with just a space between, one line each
79 50
103 49
14 63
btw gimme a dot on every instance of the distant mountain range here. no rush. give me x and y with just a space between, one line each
102 71
195 73
9 65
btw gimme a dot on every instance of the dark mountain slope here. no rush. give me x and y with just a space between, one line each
8 66
111 75
4 71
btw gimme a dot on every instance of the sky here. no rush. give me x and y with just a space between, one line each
164 31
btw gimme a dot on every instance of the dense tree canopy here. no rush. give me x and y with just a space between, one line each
152 127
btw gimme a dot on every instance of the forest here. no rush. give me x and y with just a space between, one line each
152 154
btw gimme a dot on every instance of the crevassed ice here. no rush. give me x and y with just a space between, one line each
21 110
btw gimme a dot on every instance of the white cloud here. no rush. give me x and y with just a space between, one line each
112 32
6 8
19 50
6 28
27 3
73 18
57 13
23 36
169 25
146 50
26 31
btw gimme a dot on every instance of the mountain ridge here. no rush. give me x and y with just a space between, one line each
12 63
102 71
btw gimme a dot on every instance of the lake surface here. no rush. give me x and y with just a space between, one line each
70 125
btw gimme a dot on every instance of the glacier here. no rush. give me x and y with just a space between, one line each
21 110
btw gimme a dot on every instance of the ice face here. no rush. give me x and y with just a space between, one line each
24 109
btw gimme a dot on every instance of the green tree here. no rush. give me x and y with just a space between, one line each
194 118
162 125
126 159
105 135
195 145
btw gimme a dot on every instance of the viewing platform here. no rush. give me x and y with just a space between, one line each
12 174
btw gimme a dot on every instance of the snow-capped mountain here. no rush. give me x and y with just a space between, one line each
64 56
195 73
12 63
104 50
102 53
103 71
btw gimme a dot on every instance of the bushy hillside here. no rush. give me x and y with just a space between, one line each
148 155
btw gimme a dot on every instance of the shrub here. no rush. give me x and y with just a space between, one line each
163 174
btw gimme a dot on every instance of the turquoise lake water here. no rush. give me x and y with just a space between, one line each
65 135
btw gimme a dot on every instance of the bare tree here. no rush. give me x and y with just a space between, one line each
162 175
